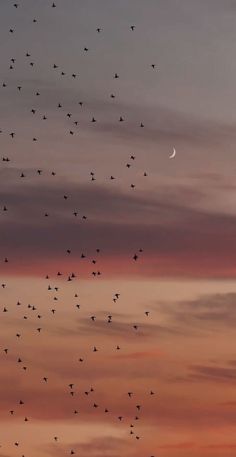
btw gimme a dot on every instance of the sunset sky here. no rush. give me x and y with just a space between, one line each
182 215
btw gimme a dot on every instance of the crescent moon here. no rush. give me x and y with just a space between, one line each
173 154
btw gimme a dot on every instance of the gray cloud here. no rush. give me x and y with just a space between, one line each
204 314
119 329
116 222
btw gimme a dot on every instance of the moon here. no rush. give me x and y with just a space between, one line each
173 154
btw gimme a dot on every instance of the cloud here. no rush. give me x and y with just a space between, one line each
206 313
177 240
211 373
118 329
98 447
172 125
141 355
219 446
186 445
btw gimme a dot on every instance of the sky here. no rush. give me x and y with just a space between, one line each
174 319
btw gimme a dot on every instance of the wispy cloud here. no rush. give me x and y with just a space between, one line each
206 313
176 239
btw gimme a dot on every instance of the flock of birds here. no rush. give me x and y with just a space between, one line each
72 276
